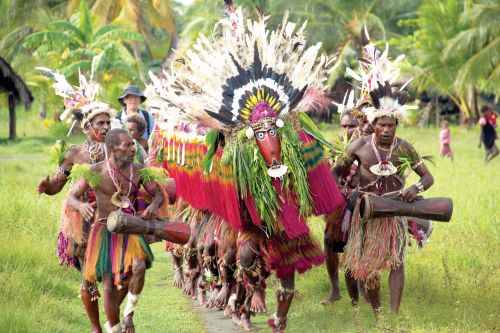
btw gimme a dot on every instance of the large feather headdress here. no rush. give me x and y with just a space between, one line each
375 67
248 75
387 103
81 104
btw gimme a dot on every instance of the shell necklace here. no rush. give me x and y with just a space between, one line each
119 198
384 167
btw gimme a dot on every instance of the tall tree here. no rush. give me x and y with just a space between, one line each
152 19
479 42
75 44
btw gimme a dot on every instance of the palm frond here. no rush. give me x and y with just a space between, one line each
85 22
104 29
480 65
72 68
63 25
119 35
53 40
12 42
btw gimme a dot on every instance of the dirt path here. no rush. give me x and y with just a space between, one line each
214 320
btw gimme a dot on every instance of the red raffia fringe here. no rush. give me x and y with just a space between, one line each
294 224
326 196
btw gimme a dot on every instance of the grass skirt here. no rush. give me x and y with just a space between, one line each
112 254
374 245
285 255
73 236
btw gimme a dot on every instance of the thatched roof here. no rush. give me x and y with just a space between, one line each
11 83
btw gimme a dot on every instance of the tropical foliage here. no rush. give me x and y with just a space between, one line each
452 46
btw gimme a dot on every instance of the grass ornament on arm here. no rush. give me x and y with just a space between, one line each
84 171
58 152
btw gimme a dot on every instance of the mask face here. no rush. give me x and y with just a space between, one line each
269 145
268 142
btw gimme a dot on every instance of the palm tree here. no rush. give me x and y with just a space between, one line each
480 43
438 22
15 24
74 44
152 19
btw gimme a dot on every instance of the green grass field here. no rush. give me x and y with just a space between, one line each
452 285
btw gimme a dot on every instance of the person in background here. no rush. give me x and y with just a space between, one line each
131 99
136 127
488 134
444 139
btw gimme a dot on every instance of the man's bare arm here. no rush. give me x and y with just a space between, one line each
425 182
153 188
342 167
54 185
77 191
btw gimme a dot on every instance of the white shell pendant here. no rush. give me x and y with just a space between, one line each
120 200
277 171
383 169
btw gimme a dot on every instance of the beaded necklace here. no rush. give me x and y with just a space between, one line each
95 149
384 167
119 199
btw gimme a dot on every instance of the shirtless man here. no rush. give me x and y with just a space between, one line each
120 270
370 245
333 239
95 125
89 152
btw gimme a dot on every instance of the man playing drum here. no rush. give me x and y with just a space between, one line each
380 243
119 260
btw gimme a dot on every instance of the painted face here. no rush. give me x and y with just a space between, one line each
269 144
99 126
125 151
132 102
133 130
385 130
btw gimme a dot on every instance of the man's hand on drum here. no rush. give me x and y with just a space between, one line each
409 194
150 212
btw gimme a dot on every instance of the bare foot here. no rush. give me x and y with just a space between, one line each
258 302
128 325
202 299
227 312
220 300
178 279
188 289
273 327
333 296
247 325
211 301
236 319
